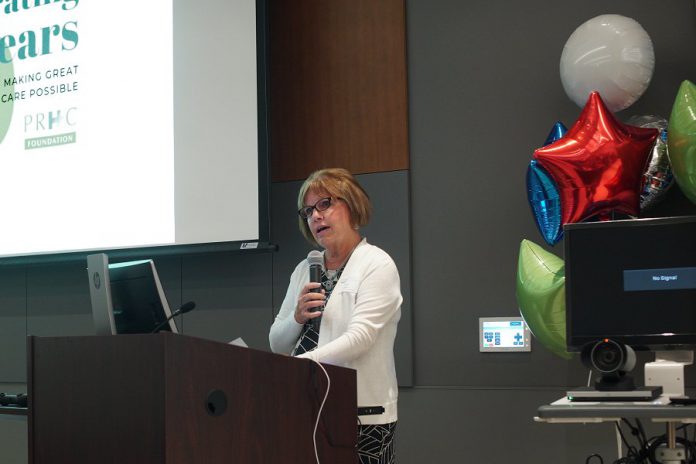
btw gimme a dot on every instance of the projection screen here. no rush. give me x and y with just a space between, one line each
128 125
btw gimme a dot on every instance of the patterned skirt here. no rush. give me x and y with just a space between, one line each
376 443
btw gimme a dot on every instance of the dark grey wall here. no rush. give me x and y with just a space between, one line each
484 91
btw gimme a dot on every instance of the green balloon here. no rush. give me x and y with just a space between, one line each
541 296
681 139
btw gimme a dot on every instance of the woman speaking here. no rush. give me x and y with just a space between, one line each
357 304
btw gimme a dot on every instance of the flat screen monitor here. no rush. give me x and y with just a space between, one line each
633 281
127 298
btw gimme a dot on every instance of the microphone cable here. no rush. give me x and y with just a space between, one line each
321 407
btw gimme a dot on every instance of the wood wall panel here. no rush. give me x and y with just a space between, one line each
338 88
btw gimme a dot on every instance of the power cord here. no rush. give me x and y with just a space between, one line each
645 453
631 452
638 432
321 407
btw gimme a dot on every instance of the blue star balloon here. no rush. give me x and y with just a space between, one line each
542 194
558 131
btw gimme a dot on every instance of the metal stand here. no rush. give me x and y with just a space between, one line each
659 411
672 453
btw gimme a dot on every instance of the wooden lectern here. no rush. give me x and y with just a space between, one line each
175 399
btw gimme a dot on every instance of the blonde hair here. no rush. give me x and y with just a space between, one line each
337 183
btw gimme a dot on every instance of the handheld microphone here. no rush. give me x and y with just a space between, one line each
316 262
186 307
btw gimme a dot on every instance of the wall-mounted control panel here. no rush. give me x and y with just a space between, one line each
500 334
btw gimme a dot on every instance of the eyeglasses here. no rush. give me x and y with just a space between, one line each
321 205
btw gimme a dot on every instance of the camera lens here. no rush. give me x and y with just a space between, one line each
608 356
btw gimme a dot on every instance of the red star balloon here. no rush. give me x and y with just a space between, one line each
599 164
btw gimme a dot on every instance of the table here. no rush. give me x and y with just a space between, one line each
659 410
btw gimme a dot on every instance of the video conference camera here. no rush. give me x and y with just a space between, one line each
613 360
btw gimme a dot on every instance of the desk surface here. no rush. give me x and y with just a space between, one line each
659 410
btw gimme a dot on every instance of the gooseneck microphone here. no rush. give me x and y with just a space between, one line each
184 308
316 262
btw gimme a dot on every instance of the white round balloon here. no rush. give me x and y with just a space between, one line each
611 54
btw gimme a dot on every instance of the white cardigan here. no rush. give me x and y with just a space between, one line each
358 326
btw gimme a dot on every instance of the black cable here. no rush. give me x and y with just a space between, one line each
689 445
648 447
645 453
644 437
601 461
631 450
635 431
689 448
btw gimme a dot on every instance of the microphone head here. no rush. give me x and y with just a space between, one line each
186 307
315 258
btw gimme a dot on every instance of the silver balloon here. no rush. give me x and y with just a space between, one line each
658 177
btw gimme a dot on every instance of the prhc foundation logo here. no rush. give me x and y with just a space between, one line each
50 128
47 127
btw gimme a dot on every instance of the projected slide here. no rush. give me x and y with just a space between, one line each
83 163
87 124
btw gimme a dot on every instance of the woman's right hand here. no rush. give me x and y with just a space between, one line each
309 302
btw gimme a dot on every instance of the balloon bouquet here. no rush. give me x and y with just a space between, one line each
600 166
